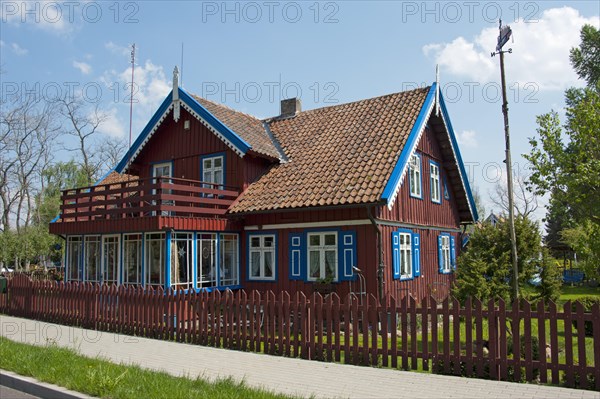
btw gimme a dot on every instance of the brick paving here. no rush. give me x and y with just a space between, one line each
290 376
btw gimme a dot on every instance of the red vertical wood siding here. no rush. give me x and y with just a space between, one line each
365 255
431 281
171 142
424 211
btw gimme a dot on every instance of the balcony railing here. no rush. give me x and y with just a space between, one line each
161 196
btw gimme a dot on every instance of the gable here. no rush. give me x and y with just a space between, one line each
240 145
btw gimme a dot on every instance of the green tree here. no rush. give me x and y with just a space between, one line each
586 58
584 238
484 270
551 279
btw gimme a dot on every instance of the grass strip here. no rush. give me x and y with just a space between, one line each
101 378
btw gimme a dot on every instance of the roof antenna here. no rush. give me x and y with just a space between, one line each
131 101
181 74
437 90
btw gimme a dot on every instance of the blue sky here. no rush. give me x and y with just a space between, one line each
249 55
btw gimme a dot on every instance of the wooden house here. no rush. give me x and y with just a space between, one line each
370 196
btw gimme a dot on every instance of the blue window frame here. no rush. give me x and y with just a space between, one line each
446 253
262 256
212 170
406 254
331 253
434 182
415 176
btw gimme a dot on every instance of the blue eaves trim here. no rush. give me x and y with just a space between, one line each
229 134
149 126
461 166
411 142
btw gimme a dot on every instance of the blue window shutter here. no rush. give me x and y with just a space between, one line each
416 249
440 255
296 256
347 255
452 252
396 254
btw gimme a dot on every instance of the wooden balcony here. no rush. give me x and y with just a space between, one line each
132 205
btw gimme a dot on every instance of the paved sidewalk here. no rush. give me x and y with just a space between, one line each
279 374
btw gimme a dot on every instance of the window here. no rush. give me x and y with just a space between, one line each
228 271
162 170
212 171
445 263
73 261
446 192
111 252
206 256
262 257
322 256
132 259
155 259
434 170
181 260
405 255
92 255
414 172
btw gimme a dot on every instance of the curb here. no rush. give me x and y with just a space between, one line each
37 388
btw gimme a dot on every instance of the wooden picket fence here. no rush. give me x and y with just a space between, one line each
491 340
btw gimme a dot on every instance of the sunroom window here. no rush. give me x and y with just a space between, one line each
132 258
228 272
181 260
155 259
73 258
92 259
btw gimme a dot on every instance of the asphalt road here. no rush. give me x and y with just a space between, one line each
9 393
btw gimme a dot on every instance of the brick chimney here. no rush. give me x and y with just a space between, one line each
290 107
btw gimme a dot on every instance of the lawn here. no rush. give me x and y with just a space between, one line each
100 378
573 293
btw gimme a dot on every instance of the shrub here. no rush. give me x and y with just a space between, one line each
587 302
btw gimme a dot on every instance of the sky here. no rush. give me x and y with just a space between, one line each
249 55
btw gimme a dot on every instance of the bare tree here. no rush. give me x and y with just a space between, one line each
27 134
526 202
84 125
112 150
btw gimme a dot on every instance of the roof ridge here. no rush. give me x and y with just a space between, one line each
275 118
226 106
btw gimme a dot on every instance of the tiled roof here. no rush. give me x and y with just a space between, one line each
249 128
337 155
114 178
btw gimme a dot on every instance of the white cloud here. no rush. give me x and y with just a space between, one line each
150 89
467 139
83 67
112 126
116 49
540 51
48 15
18 50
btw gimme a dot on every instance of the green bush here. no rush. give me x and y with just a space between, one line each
588 302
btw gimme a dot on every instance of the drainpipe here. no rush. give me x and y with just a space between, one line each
380 246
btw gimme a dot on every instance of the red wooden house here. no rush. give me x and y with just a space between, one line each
211 198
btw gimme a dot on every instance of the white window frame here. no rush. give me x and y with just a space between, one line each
234 259
415 178
136 241
434 171
212 169
261 250
322 248
446 261
406 258
107 240
87 241
149 239
188 241
155 167
72 243
210 279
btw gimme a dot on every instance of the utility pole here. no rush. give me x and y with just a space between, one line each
504 34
